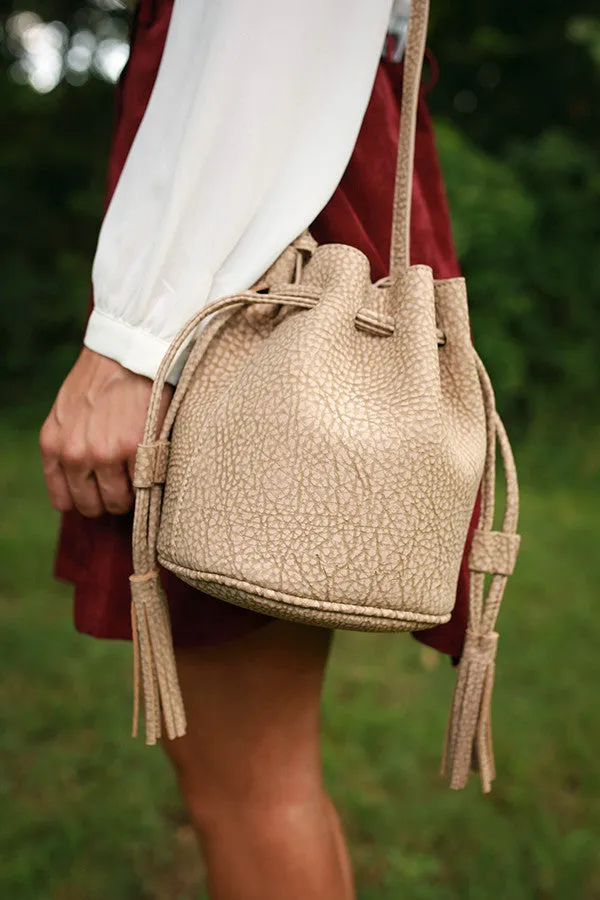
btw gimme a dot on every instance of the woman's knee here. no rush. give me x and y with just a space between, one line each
263 796
245 785
265 818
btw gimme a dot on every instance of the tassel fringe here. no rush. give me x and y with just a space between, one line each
154 661
468 745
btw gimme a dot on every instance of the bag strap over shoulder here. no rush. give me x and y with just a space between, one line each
414 54
411 82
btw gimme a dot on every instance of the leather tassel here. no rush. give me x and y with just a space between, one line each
154 660
468 745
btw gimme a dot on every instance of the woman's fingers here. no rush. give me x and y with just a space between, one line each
80 477
54 476
114 486
56 484
74 479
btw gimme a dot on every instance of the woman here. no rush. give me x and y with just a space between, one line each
262 118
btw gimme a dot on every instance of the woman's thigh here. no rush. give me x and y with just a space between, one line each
253 712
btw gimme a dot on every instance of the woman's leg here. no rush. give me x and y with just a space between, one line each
249 768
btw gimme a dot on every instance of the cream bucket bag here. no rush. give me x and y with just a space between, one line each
321 458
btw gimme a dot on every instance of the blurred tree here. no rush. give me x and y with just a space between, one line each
520 81
53 158
513 69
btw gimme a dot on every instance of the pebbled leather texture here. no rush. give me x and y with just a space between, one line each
321 459
299 464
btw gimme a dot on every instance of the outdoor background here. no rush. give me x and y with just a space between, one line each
86 813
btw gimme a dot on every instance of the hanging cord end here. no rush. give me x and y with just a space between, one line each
468 745
154 660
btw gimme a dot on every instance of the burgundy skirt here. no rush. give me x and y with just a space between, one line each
95 554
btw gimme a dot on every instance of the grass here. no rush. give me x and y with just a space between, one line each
88 813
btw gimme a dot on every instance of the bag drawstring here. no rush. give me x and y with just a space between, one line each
468 742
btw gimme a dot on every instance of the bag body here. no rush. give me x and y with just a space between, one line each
321 458
301 461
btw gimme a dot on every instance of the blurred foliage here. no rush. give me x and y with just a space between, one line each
518 125
518 132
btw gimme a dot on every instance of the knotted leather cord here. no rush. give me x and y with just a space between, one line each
468 737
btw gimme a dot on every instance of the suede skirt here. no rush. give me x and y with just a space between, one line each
94 555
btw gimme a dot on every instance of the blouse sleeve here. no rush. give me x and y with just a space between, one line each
252 120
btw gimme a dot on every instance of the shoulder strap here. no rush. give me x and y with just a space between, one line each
413 65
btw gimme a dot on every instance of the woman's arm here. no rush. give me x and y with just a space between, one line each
252 120
251 123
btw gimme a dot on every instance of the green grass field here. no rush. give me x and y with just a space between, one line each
87 813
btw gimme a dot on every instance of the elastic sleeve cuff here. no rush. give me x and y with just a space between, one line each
133 348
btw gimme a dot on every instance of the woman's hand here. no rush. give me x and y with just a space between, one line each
89 439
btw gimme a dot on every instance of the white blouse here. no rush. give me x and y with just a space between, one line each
252 120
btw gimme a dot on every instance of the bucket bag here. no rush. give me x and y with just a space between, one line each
321 458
